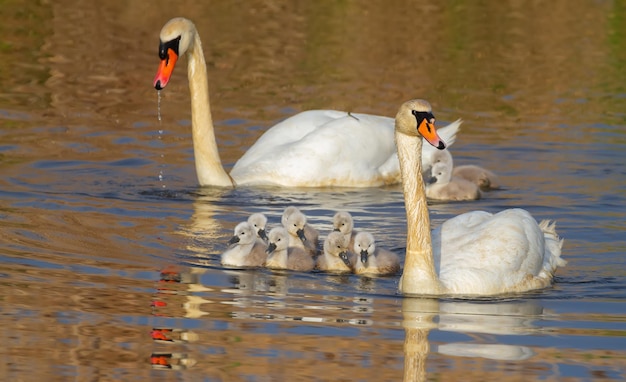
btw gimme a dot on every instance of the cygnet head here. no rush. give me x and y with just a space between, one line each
294 222
440 174
337 245
244 234
278 239
258 222
442 156
287 213
342 222
364 245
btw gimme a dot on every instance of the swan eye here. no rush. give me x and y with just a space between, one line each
424 115
165 46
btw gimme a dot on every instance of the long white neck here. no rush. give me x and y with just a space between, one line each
209 167
418 276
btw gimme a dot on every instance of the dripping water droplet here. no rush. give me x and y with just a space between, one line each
159 105
161 177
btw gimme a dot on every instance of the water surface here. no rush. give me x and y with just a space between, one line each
109 272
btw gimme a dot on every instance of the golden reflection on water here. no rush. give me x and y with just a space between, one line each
539 84
257 300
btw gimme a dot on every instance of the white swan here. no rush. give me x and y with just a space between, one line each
246 249
343 222
315 148
301 234
443 186
371 259
336 257
281 256
476 253
486 180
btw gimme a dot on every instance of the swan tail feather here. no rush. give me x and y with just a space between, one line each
449 132
553 246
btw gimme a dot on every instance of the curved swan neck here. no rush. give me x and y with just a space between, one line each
209 167
418 276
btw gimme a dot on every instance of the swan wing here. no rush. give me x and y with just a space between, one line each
286 132
347 150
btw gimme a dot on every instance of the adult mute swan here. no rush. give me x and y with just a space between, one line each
473 254
315 148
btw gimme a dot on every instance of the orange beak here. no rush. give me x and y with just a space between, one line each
427 129
165 69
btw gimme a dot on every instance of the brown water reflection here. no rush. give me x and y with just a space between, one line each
108 273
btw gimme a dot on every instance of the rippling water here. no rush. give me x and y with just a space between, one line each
110 273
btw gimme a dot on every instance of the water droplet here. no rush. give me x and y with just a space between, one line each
159 105
161 177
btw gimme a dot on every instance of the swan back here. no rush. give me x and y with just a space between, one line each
319 148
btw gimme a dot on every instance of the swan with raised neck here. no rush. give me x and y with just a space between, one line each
414 119
475 253
314 148
179 36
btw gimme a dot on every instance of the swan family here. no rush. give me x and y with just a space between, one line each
473 254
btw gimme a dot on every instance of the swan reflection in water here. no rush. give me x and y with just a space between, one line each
265 296
471 317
